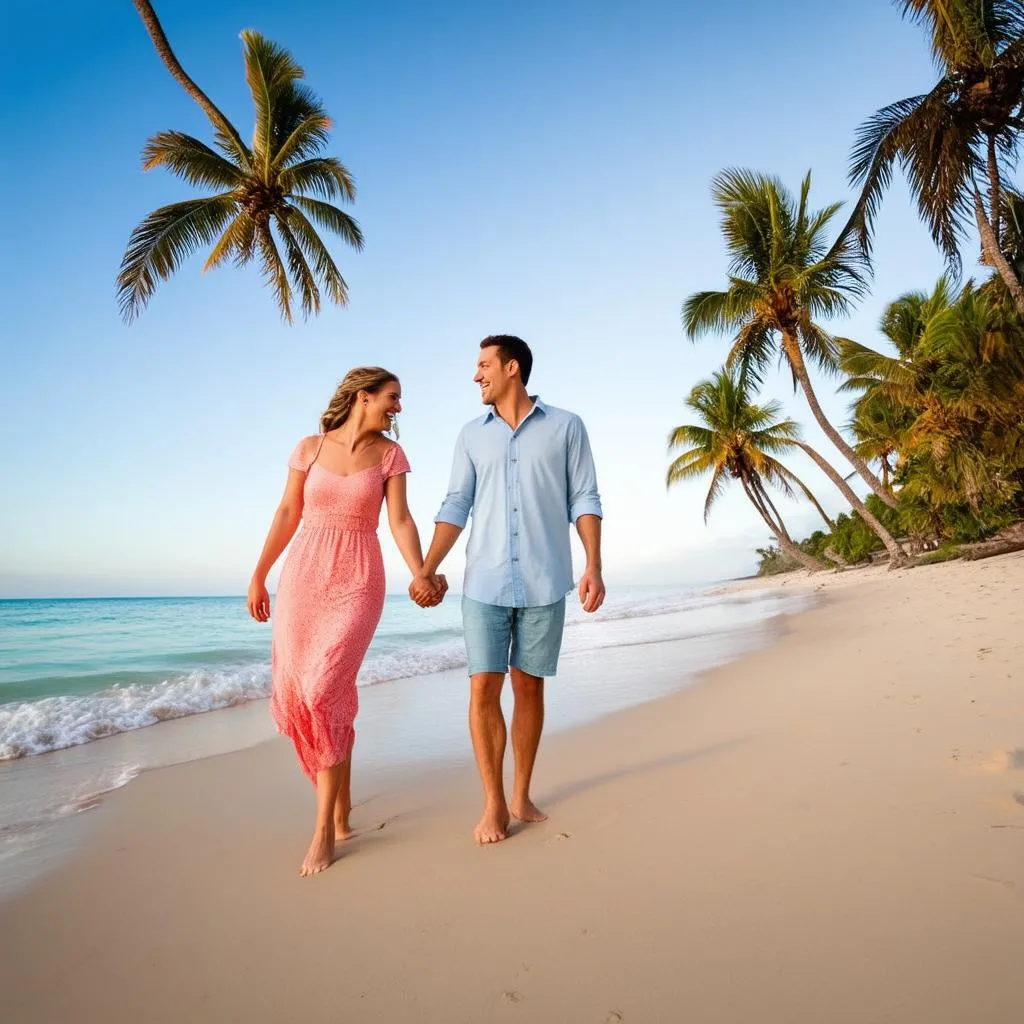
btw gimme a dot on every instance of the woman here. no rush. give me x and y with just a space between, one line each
331 592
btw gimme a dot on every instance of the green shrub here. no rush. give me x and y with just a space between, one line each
853 539
968 526
773 561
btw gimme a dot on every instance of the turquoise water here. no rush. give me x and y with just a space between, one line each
79 646
74 671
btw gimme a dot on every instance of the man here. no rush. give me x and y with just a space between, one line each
526 472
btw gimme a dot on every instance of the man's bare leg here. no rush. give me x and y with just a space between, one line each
343 804
321 849
527 725
487 728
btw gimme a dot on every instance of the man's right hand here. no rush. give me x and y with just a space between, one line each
428 591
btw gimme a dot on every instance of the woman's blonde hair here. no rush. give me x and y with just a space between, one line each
362 378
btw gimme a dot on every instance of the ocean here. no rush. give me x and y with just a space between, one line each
84 681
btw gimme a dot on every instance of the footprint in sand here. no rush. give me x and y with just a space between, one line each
613 1017
562 836
511 997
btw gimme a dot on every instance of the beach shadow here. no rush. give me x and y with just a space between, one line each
559 795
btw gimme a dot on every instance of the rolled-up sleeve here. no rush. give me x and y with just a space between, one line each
458 502
584 499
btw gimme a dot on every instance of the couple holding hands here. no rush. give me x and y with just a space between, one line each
525 472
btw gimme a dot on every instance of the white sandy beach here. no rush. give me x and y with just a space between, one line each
827 830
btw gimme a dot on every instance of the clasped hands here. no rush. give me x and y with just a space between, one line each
428 590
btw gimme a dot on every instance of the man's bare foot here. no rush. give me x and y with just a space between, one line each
492 828
320 853
342 831
527 810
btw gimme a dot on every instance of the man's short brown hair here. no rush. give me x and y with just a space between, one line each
510 347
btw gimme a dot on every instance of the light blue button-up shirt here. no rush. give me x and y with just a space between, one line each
524 487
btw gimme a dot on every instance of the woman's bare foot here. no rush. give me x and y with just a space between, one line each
492 827
342 830
527 810
320 853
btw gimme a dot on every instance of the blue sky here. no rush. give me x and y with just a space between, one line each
539 168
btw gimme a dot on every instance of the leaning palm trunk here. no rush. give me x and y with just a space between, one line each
796 361
778 528
990 244
798 551
166 54
896 557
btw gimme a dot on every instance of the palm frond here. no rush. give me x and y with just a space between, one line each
965 32
718 481
270 71
324 267
750 204
274 270
752 349
323 176
331 218
707 312
158 246
692 435
191 160
237 243
233 149
819 347
299 270
306 140
688 466
871 164
858 360
301 127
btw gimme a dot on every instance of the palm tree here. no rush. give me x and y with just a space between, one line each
955 387
782 276
957 140
269 197
877 427
736 439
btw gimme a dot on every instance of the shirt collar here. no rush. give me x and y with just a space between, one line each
538 406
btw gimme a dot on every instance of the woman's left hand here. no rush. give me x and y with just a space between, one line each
258 601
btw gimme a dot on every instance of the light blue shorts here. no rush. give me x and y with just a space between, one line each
525 638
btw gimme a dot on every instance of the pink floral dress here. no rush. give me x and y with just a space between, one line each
329 601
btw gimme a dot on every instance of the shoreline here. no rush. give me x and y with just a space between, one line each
404 722
834 819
